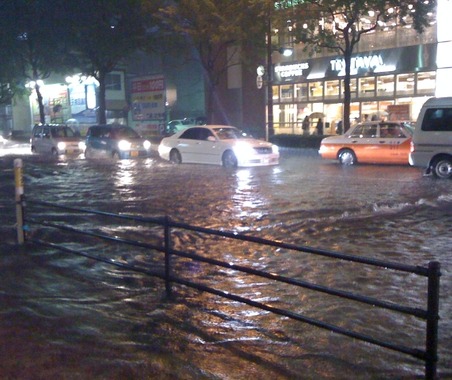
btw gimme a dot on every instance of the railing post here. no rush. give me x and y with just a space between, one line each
432 320
19 185
167 255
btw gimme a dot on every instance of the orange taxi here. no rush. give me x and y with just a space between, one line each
376 142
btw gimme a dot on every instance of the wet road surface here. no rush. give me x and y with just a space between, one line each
68 315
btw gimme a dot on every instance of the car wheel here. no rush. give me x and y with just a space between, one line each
442 168
175 157
229 160
347 157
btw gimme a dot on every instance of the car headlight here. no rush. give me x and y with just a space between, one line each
124 145
275 149
243 149
61 145
147 144
82 145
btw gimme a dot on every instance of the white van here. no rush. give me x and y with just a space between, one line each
55 139
431 147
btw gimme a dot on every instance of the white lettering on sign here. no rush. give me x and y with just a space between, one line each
366 62
291 70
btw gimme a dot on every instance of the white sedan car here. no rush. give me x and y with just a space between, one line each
218 145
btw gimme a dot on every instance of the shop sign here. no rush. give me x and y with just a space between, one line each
148 98
259 82
289 71
367 62
400 60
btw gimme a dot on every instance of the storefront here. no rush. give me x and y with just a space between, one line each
71 100
390 84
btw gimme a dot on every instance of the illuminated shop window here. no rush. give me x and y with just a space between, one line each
332 89
275 91
368 109
286 93
286 118
405 84
301 91
383 110
353 88
385 85
354 112
315 90
367 87
426 82
91 99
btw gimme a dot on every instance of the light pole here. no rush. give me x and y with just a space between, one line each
270 131
286 52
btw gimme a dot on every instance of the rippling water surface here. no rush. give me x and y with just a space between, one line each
68 314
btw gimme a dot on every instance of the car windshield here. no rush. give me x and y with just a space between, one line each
62 132
124 133
228 133
409 127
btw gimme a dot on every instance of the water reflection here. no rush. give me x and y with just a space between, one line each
125 174
249 203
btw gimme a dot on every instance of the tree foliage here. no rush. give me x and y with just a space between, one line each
103 33
219 31
338 25
40 47
10 76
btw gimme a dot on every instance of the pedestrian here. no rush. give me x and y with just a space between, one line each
305 125
319 127
339 127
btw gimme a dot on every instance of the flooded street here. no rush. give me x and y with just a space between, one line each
66 316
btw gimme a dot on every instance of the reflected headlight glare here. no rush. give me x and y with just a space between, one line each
124 145
275 148
82 145
61 145
147 144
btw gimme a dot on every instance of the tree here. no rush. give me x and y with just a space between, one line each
40 44
103 33
219 31
338 25
11 78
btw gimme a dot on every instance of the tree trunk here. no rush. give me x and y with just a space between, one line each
101 103
42 115
347 91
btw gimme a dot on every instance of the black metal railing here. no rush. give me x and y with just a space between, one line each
164 244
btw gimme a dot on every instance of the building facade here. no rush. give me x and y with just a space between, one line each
393 72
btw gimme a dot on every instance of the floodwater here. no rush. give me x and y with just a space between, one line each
67 316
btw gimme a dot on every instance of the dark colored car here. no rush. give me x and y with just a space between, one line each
116 141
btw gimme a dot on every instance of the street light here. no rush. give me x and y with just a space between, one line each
286 52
